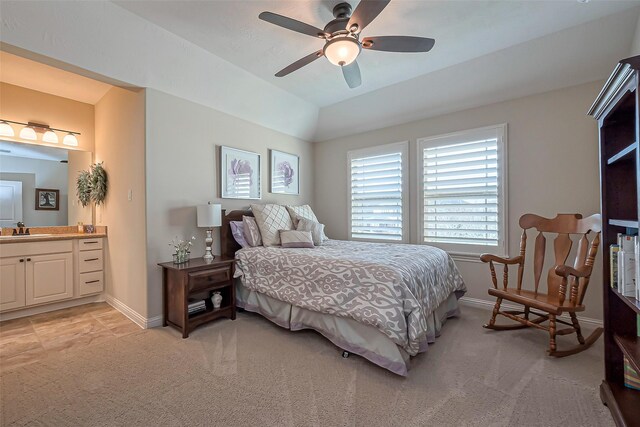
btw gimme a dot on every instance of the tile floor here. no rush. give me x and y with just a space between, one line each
30 339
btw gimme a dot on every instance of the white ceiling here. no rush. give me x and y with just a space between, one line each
463 30
34 75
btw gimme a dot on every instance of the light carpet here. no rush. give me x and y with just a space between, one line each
251 372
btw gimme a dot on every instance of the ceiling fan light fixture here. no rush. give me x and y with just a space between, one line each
342 51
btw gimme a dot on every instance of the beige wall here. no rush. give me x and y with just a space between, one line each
183 172
120 144
78 161
25 105
552 167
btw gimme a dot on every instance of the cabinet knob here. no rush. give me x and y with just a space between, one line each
21 259
28 259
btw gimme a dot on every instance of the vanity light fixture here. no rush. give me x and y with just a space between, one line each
6 129
31 129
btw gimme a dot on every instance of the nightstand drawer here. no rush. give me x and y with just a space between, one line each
90 261
206 278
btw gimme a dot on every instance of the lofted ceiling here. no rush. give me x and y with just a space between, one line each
464 30
23 72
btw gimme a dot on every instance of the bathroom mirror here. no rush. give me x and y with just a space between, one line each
38 185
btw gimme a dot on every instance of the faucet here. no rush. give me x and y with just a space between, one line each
21 230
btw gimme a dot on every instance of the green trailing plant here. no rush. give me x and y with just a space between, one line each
98 183
92 185
84 188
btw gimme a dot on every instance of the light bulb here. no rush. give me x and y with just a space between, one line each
29 133
50 136
70 139
342 50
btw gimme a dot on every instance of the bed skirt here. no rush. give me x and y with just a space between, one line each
347 334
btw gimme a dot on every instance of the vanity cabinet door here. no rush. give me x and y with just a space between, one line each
49 278
12 274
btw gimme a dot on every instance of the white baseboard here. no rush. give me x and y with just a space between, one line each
488 305
137 318
45 308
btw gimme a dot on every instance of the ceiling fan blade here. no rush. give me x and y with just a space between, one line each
352 75
365 13
398 43
291 24
299 63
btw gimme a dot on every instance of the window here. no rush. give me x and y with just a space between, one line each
462 180
378 184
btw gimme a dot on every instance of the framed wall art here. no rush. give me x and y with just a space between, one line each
47 199
240 174
285 173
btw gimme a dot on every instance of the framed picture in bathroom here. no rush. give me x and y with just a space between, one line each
47 199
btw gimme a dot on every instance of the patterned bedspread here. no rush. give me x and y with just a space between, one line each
393 287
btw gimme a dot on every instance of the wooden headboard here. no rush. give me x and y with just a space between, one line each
228 245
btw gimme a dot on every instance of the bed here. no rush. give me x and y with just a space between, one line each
384 302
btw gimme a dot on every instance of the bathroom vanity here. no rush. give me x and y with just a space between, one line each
49 267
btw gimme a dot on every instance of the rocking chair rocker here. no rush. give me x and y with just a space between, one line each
560 279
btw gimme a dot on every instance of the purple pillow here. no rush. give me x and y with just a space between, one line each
237 229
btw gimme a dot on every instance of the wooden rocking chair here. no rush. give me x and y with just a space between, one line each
560 279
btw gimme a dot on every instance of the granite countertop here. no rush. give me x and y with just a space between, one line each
44 237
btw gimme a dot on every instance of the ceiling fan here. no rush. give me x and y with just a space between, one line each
342 38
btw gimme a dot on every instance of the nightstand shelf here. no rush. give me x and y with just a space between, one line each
197 279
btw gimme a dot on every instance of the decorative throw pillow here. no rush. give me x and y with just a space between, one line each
251 231
271 219
303 211
296 239
316 229
237 230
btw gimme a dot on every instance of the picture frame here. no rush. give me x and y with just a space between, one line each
240 174
285 173
47 199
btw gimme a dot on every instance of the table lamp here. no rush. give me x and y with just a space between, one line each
209 216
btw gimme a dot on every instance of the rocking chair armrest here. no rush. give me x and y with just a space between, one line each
566 271
495 258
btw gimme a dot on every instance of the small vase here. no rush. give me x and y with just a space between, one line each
216 299
180 257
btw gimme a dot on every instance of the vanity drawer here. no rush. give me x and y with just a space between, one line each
91 283
90 261
206 279
90 244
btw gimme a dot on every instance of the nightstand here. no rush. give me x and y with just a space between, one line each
197 279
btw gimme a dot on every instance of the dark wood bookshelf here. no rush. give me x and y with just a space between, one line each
616 109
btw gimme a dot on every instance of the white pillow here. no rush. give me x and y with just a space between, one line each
271 219
296 239
316 229
303 211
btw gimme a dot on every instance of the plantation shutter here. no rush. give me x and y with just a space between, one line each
460 183
376 196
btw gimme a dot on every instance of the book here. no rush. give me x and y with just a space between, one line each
637 266
627 265
631 377
613 266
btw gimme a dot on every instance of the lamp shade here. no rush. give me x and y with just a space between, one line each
6 129
70 139
29 133
209 215
50 136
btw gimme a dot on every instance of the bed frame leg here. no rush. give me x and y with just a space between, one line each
345 354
